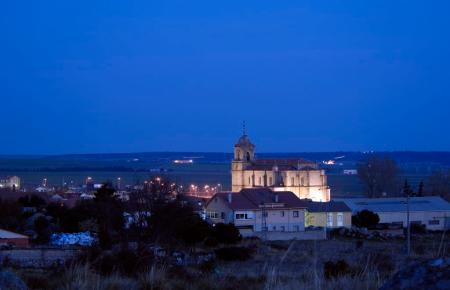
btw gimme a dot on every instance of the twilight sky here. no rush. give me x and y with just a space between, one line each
129 76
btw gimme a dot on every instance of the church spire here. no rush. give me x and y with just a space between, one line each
244 131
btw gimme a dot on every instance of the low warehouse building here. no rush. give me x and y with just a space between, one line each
431 211
11 238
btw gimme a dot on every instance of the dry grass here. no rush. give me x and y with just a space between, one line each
282 265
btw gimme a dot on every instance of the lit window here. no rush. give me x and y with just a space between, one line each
329 219
260 180
292 181
340 219
270 180
241 216
213 215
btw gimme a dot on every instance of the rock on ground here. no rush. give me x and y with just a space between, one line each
430 275
10 281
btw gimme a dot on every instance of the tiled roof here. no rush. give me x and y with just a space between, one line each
238 201
253 198
282 164
331 206
4 234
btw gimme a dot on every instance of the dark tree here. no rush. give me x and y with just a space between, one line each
156 192
365 219
171 222
11 217
407 191
420 191
109 215
379 175
32 201
226 233
439 184
43 231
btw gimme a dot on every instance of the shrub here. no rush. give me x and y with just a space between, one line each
335 270
37 282
359 244
211 242
207 267
32 201
279 246
234 253
105 265
417 228
382 262
42 228
365 219
226 233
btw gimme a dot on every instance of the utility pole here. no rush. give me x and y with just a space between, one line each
264 221
408 231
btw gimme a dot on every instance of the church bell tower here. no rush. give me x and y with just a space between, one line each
244 154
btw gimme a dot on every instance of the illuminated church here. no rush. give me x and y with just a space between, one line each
302 177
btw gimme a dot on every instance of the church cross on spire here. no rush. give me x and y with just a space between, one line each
244 132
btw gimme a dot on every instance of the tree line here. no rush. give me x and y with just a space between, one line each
381 177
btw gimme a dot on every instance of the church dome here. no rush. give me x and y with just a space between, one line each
244 141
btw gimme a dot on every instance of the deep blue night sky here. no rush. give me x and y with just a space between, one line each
129 76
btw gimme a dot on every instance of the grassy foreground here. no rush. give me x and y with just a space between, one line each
275 265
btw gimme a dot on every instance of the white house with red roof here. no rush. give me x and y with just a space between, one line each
258 210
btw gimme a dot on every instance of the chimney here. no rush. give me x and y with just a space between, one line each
276 197
230 197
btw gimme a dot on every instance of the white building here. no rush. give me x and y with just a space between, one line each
10 182
302 177
257 210
431 211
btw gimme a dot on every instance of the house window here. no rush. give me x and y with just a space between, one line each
329 219
213 215
274 228
270 180
265 228
295 213
282 213
302 181
260 180
296 228
282 228
222 215
242 216
434 222
249 181
340 219
292 181
264 214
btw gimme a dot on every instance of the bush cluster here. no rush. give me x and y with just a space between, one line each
234 253
335 269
